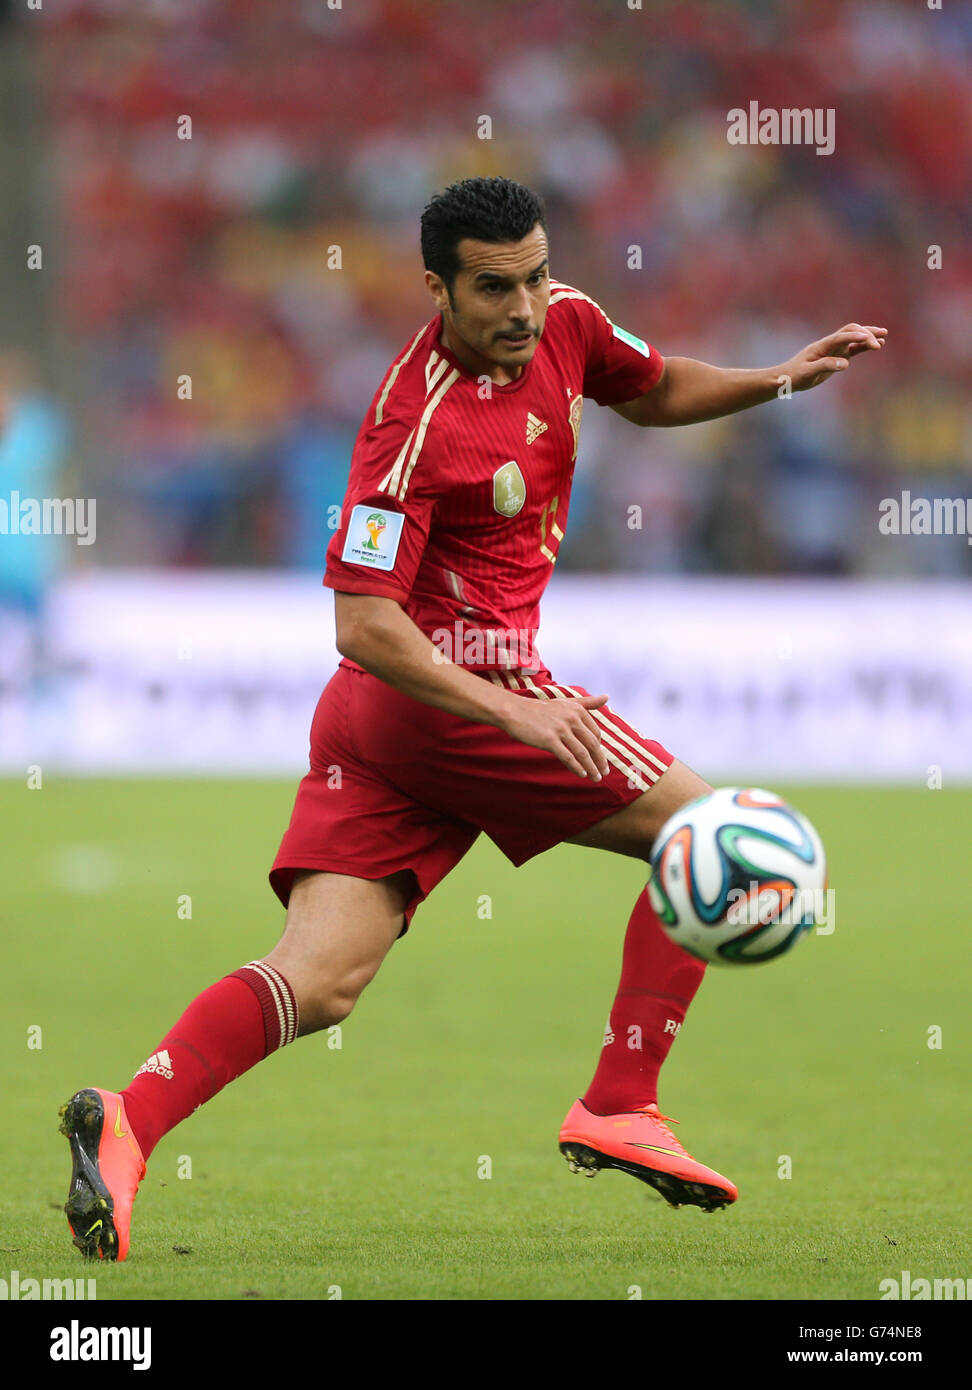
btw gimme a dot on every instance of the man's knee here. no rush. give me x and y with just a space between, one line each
634 829
338 931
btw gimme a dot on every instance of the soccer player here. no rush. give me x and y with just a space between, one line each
441 720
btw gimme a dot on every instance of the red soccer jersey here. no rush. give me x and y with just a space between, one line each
459 488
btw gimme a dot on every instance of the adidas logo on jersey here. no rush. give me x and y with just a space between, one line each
534 427
160 1062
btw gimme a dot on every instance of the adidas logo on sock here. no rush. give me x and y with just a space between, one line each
160 1062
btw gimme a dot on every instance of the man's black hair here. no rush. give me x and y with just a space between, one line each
494 210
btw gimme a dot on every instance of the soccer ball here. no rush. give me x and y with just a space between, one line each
738 876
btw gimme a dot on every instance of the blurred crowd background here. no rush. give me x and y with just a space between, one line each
315 128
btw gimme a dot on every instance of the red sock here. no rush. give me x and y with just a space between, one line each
224 1032
658 982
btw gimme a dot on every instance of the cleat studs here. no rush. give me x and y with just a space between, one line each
581 1161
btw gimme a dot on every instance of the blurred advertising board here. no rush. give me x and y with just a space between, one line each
744 679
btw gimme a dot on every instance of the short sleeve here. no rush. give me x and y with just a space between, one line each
619 366
379 545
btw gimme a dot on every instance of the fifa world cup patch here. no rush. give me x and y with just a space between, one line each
373 537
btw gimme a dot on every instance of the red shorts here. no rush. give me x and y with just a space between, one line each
396 784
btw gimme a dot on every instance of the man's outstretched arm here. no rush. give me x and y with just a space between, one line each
690 391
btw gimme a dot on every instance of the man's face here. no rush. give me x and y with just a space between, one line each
499 301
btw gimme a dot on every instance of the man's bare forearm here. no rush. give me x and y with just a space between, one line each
692 391
380 636
688 392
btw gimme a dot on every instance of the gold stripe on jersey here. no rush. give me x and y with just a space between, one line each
609 734
455 580
561 291
511 681
431 377
379 408
396 468
643 752
412 447
422 428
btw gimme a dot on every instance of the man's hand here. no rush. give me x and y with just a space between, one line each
822 359
562 727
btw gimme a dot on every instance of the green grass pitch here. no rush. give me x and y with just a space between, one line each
358 1168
